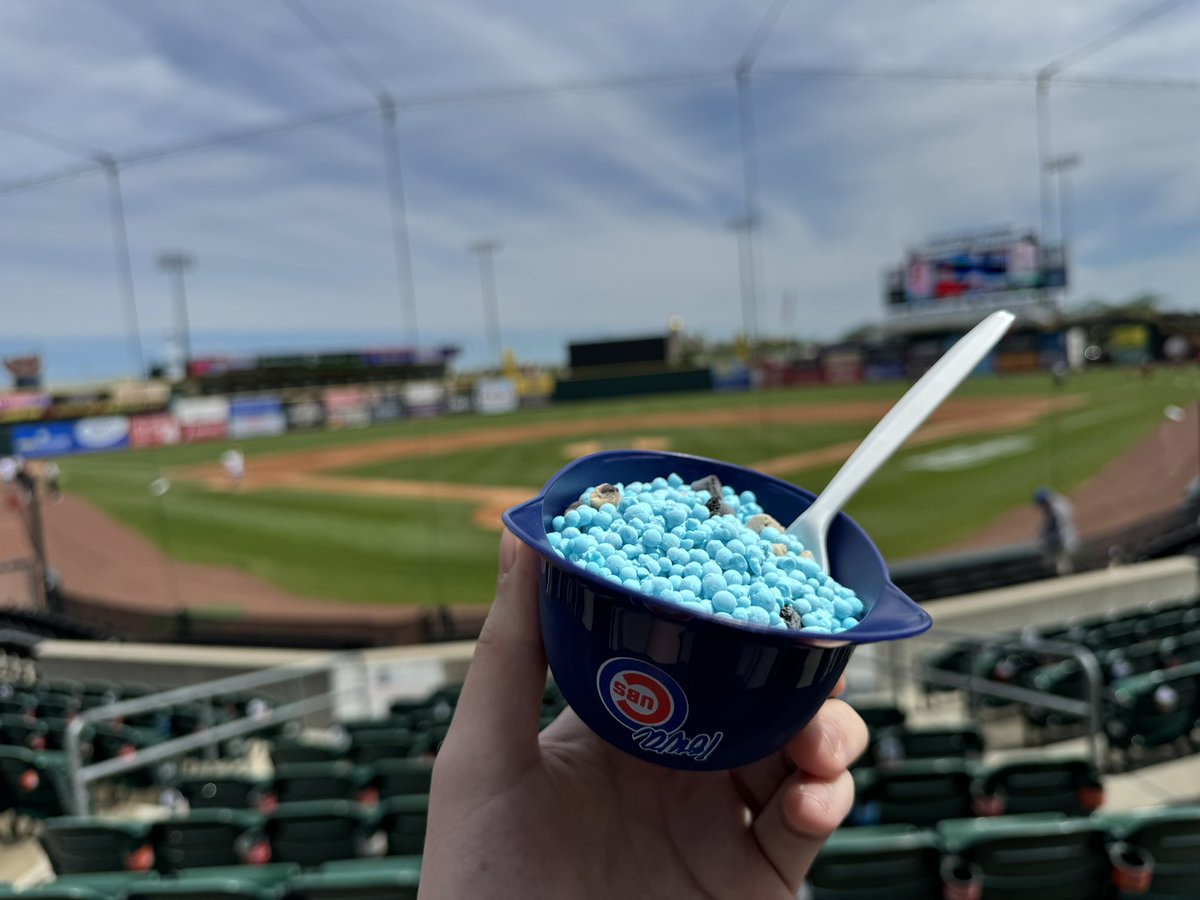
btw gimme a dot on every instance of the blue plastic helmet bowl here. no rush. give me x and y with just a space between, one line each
685 689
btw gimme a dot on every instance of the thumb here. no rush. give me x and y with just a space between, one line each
501 700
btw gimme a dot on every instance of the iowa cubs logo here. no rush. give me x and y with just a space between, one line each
640 695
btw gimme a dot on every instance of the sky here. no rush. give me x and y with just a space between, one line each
611 206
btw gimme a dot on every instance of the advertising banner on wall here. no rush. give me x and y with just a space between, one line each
23 406
424 398
494 396
256 417
154 430
346 407
93 435
304 414
202 418
387 405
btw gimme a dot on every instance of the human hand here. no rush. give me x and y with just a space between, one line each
563 814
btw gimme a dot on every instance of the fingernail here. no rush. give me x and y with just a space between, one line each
508 551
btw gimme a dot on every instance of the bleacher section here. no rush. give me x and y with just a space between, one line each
1149 668
338 809
329 813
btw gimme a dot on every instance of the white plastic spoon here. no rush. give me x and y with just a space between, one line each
894 429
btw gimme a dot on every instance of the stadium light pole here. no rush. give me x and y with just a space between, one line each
742 226
175 263
485 251
1059 166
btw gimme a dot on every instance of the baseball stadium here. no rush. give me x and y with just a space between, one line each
247 571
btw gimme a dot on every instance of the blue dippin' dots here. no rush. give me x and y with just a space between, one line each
661 539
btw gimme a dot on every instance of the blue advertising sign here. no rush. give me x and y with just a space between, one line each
94 435
256 417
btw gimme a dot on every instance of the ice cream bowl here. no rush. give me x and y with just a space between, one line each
686 689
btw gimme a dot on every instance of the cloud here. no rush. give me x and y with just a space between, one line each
611 205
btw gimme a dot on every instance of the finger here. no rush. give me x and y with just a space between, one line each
831 742
798 819
501 700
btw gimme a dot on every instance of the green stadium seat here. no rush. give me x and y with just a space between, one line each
1154 709
210 837
288 750
36 782
18 702
391 878
368 746
1068 786
1026 858
884 862
338 780
227 792
56 736
78 845
56 705
202 888
93 886
956 742
100 693
400 777
919 792
404 820
270 875
315 832
1168 839
1180 649
111 741
17 730
878 716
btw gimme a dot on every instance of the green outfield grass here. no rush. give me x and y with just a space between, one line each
387 550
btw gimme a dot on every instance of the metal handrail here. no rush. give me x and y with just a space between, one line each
1092 707
80 776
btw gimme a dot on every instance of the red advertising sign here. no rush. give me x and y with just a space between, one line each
154 430
204 431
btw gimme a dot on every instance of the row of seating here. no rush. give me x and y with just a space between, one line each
1153 854
926 792
307 833
392 878
337 780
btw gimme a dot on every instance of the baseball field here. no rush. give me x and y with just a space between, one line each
409 512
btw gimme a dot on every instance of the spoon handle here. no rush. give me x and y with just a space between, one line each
907 415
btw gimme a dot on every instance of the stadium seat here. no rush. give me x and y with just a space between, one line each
289 750
213 887
76 845
1154 709
399 777
99 693
882 862
36 782
920 792
227 792
317 831
391 878
1068 786
369 746
1026 858
93 886
210 837
57 705
1168 839
1180 649
403 820
18 702
111 741
961 742
56 731
880 716
338 780
18 730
